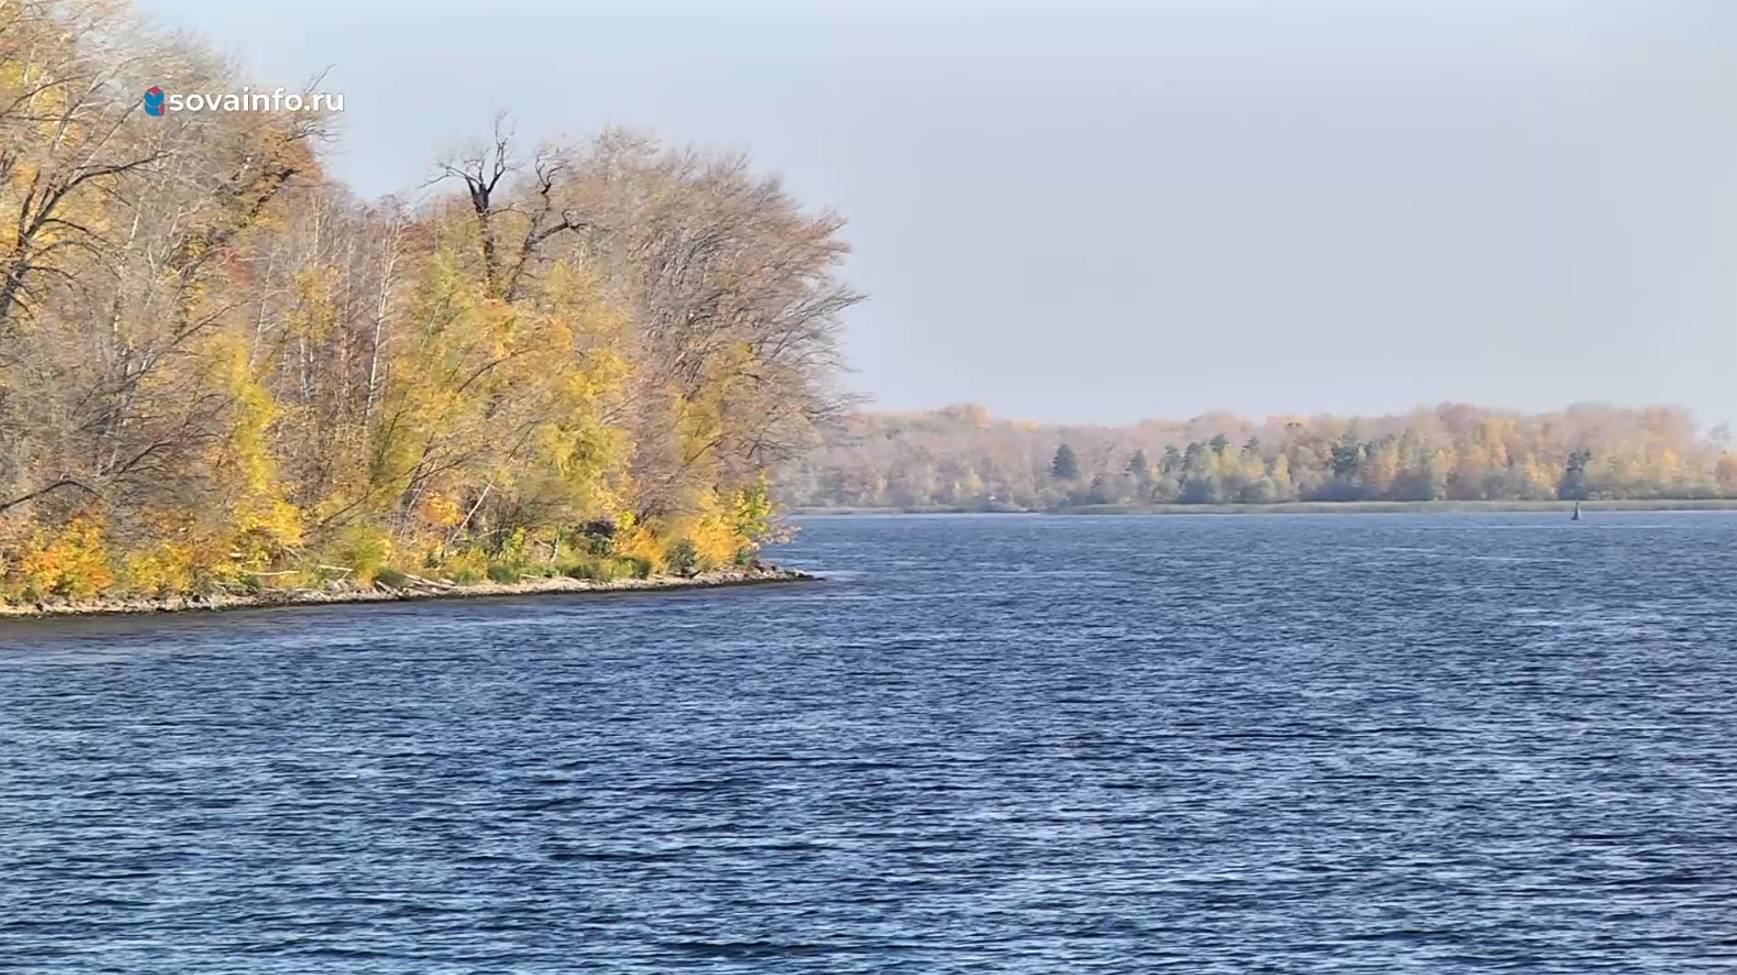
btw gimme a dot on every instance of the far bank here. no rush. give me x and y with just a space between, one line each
1299 508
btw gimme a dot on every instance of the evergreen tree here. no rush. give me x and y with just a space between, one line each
1194 458
1065 466
1347 454
1139 466
1199 488
1172 461
1574 486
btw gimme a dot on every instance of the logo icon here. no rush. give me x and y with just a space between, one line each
153 100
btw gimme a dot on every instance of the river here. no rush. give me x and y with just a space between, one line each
1340 743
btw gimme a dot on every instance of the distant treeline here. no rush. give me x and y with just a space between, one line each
961 457
219 367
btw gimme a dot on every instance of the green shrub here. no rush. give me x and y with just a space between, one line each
637 566
599 570
391 577
596 537
514 546
683 557
504 573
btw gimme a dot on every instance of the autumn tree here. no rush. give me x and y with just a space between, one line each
218 367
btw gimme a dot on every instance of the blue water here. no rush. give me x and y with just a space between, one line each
1003 744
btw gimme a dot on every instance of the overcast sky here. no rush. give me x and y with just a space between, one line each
1101 212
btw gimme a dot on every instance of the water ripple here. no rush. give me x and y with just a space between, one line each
1337 744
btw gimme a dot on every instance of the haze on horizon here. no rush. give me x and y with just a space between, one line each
1109 211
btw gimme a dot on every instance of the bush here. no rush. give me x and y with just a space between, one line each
391 577
364 549
596 537
504 573
75 564
610 569
600 570
683 557
514 547
163 570
467 567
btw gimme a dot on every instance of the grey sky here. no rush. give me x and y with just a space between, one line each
1104 212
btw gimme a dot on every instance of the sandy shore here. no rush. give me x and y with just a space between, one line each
414 588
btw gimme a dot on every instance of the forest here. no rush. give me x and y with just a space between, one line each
961 457
221 368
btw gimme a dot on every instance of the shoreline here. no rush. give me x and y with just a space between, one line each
417 590
1297 508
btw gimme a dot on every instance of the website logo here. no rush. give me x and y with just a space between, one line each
159 103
